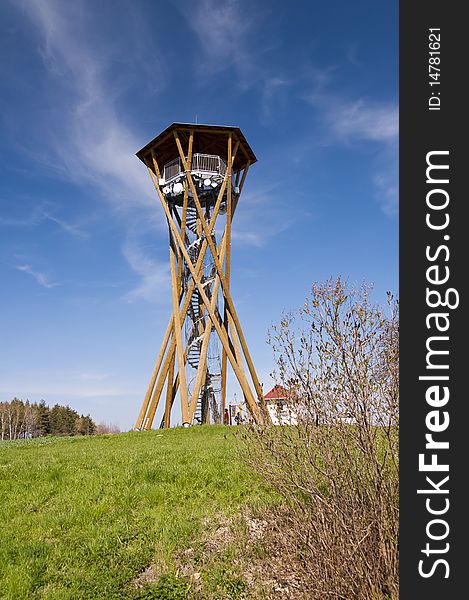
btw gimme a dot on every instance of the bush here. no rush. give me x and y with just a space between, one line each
336 463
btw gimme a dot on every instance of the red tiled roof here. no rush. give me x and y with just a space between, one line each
276 393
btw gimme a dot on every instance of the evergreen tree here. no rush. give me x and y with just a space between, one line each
43 419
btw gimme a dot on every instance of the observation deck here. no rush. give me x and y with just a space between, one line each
202 165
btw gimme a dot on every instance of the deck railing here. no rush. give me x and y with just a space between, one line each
202 163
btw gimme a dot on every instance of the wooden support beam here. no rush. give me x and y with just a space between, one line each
160 384
201 370
169 396
178 337
159 360
243 178
199 266
227 276
245 172
185 200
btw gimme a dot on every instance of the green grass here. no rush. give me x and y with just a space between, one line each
83 516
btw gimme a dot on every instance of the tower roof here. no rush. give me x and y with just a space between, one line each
208 139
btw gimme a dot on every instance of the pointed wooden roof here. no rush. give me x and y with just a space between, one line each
208 139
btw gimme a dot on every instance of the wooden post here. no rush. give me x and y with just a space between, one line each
227 275
159 360
169 396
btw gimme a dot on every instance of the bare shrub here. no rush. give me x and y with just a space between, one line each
337 468
107 428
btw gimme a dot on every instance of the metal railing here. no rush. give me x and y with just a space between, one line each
172 169
203 163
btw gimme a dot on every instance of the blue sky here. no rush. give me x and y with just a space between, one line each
83 241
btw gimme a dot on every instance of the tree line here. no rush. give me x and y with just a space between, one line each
19 420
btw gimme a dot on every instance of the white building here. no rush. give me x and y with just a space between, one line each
279 410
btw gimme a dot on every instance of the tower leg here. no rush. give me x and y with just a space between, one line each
178 337
205 407
159 385
159 360
169 396
227 275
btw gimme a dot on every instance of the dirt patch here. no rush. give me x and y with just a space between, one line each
150 575
253 545
278 573
219 533
245 556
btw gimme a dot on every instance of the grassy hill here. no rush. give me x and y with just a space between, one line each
83 517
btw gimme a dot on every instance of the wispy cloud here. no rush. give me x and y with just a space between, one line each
353 120
67 383
273 93
360 121
116 394
261 215
154 285
387 193
227 31
41 278
364 121
70 228
249 238
39 215
93 376
91 143
221 28
34 218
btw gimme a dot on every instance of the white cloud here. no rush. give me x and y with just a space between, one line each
114 394
155 280
70 228
273 92
349 121
91 142
221 28
262 213
42 213
248 238
364 121
41 278
225 30
387 193
93 376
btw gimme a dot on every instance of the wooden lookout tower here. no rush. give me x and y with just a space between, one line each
199 172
